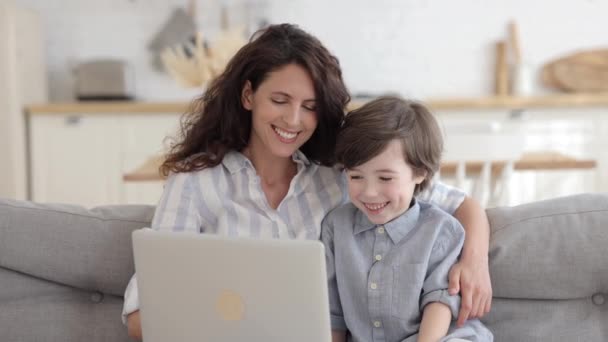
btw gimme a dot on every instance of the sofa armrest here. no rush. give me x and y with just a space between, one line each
85 248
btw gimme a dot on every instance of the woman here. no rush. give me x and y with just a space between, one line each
256 153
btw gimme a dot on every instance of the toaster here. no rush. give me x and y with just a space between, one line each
104 79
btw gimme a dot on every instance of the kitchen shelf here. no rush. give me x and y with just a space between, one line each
522 102
473 103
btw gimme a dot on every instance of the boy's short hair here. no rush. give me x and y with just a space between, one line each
368 130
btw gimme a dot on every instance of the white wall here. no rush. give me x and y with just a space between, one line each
78 30
421 48
441 48
432 48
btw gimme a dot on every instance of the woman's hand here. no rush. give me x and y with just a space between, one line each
134 325
471 277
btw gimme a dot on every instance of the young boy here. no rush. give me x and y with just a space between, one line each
388 254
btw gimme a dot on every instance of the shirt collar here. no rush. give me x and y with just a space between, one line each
397 229
234 161
300 158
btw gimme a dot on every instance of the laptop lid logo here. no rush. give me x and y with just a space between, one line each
230 306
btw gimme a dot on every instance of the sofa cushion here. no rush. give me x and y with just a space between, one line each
33 309
554 249
71 245
549 270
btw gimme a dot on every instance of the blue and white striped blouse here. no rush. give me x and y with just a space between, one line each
228 199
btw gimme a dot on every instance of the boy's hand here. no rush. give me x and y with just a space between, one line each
134 326
472 279
338 336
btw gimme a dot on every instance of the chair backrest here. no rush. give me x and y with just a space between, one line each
487 143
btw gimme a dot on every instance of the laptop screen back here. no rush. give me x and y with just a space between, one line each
201 287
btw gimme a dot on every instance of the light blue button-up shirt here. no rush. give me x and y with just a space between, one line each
382 276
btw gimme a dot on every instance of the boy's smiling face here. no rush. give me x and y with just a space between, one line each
383 187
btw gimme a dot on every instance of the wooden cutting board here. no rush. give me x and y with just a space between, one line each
585 71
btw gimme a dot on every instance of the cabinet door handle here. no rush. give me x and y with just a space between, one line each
73 120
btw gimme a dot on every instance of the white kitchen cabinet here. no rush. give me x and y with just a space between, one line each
22 81
81 158
75 159
81 151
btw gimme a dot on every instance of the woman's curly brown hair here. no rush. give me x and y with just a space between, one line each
217 123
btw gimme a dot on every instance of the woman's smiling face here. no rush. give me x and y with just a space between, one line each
283 111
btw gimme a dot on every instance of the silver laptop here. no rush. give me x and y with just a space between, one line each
202 287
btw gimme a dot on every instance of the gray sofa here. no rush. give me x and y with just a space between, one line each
63 270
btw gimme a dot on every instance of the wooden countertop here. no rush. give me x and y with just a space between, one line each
530 161
108 107
477 103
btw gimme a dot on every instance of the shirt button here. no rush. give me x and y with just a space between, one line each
378 257
373 286
380 230
377 324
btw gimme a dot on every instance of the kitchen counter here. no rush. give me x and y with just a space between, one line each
538 161
108 107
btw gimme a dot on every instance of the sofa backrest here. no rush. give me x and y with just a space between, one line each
549 270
